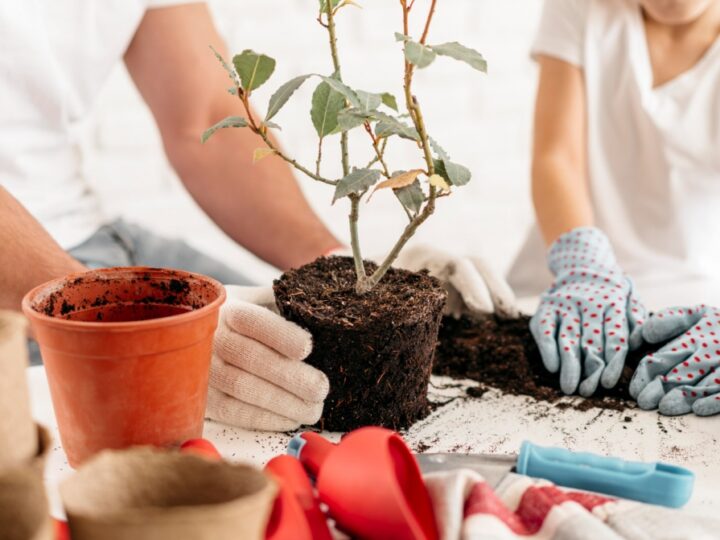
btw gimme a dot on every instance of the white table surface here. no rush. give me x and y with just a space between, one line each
493 424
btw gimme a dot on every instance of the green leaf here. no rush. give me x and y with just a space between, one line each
411 197
389 125
401 37
356 182
349 119
344 89
460 52
271 125
254 69
326 105
418 54
455 174
439 150
282 94
324 5
226 67
230 121
389 100
368 101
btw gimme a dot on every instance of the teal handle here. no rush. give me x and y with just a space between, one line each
655 483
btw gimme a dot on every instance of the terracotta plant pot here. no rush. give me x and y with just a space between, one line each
376 349
148 494
18 435
24 512
127 353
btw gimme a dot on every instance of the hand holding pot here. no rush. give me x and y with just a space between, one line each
258 379
473 286
684 375
589 317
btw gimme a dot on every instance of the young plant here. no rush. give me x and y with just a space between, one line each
337 109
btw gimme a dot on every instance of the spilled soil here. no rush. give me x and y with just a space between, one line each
502 354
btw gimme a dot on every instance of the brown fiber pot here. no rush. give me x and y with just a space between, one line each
376 349
149 494
127 354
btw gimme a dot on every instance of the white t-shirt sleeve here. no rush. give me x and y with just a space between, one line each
561 33
166 3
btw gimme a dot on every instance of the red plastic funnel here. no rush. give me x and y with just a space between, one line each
296 514
370 482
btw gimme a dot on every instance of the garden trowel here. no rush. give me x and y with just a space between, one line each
655 483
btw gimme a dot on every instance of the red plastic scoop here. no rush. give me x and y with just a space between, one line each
296 514
370 482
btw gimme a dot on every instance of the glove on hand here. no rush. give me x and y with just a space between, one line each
684 375
589 317
258 379
473 287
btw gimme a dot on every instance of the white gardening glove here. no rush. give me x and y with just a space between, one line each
473 286
258 379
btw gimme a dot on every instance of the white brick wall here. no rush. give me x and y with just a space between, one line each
483 121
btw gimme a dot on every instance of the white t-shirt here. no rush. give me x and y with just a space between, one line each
55 56
653 154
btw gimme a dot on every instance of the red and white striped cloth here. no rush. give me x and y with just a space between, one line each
467 508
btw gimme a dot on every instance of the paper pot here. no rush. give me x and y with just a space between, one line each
150 494
24 513
18 434
127 353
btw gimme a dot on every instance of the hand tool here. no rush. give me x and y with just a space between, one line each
655 483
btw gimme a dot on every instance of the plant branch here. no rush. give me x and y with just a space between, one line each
378 151
262 132
427 22
338 73
355 241
319 157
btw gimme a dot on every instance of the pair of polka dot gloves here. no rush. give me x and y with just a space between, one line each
590 318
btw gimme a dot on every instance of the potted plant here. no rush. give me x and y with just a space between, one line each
374 326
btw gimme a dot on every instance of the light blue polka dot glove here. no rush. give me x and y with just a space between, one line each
684 375
589 318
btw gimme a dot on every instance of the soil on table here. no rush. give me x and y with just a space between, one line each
502 354
376 349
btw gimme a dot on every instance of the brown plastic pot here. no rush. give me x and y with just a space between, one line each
127 354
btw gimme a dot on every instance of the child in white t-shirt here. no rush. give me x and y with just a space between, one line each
625 177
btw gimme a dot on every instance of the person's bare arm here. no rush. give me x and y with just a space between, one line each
559 171
28 256
259 205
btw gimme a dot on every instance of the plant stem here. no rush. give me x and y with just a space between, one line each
354 198
413 108
378 151
319 157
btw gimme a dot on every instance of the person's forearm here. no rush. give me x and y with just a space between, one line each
29 255
560 196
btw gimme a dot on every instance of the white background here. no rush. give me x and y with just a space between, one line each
483 121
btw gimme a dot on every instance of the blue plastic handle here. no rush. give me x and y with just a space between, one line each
655 483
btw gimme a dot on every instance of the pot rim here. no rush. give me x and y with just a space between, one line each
172 320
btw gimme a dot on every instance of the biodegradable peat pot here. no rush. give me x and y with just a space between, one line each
18 434
24 512
149 494
376 349
127 353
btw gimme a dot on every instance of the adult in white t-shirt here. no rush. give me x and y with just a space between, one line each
625 177
55 56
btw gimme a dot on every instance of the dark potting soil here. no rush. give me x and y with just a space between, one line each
502 354
375 348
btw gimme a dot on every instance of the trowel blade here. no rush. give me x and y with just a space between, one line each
492 468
